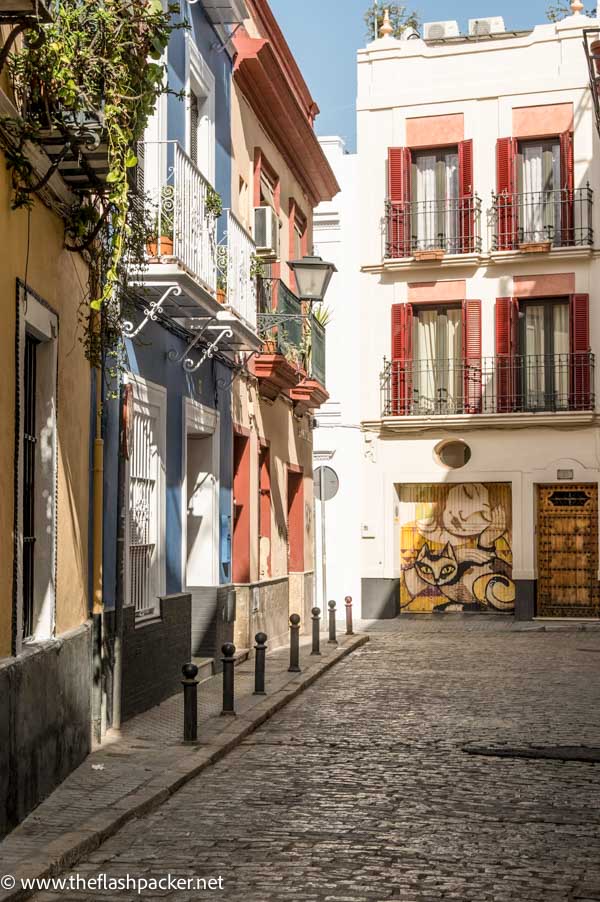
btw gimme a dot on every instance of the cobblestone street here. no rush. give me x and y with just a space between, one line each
359 789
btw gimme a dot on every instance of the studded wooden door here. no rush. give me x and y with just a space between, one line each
568 551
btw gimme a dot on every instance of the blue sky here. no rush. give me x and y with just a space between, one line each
325 34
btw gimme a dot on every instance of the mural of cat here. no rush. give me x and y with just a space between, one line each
470 578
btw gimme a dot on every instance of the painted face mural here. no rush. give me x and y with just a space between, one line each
455 547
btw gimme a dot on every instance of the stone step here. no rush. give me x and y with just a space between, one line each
207 667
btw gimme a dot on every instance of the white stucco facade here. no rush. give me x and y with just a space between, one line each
507 85
337 438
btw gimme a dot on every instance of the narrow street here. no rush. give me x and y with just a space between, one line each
359 789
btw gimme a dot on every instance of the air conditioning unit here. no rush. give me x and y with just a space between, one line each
491 25
266 231
437 31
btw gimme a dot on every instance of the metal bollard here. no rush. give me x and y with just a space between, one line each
332 639
316 626
228 668
348 602
294 644
260 650
190 702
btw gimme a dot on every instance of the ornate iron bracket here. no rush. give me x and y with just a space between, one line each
267 321
151 312
191 367
174 357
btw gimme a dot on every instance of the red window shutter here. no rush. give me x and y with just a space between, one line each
398 212
471 323
401 376
567 187
466 199
506 223
506 349
580 383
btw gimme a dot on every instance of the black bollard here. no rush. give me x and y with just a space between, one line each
294 644
190 702
228 668
348 602
332 639
316 625
260 650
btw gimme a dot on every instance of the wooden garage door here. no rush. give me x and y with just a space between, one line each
568 551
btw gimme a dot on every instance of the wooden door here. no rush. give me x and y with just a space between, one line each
568 551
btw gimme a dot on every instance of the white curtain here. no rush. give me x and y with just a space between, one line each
452 214
561 355
541 205
426 201
534 362
437 361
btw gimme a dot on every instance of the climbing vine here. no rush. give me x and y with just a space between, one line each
93 79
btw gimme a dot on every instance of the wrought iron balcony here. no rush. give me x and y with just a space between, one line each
521 384
542 219
288 328
184 228
235 265
451 226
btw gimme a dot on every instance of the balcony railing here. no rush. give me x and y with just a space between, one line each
294 332
452 226
521 384
236 254
176 195
560 218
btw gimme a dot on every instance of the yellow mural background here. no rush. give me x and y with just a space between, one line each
456 547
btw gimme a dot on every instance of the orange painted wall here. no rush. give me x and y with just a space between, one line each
432 131
537 121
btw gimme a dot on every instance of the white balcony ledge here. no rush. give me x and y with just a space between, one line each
398 264
569 419
480 259
195 298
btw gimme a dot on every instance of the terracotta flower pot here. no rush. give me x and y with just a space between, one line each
221 296
161 248
269 346
595 51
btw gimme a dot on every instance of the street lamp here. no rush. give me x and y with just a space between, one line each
313 276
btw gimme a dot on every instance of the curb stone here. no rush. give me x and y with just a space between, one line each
68 850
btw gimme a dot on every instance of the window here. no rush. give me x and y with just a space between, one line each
295 521
29 449
437 359
146 490
539 187
241 508
544 349
435 219
264 511
36 467
201 112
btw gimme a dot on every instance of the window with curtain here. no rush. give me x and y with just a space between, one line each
435 208
544 354
539 189
437 360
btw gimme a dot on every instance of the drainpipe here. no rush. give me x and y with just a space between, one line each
119 586
97 595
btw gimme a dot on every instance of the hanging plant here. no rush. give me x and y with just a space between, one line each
95 78
213 204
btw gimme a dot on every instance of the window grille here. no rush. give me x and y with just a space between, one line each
144 515
29 453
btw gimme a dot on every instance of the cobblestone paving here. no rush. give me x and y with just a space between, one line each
359 790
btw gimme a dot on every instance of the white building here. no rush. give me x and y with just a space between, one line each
478 323
337 438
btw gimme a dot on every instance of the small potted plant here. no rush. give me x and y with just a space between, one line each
160 241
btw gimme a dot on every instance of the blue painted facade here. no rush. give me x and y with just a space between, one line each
147 355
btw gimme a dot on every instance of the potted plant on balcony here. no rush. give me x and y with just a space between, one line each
160 243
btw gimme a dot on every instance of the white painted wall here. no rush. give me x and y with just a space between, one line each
484 80
337 440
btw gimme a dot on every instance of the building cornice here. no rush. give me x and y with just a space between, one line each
472 261
259 75
571 419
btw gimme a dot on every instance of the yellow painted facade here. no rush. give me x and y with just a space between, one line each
33 251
